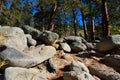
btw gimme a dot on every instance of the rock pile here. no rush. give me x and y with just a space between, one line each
28 54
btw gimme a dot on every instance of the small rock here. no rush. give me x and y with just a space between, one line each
65 47
30 41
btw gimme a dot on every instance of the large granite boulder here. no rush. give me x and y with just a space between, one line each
113 60
17 73
27 58
109 43
48 37
104 72
13 37
32 31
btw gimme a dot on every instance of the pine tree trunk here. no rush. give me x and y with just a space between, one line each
92 29
105 19
52 15
84 27
74 22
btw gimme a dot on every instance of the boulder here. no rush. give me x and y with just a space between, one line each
109 43
71 39
113 60
29 57
13 37
17 73
65 47
78 67
52 65
78 46
48 37
104 72
32 31
30 41
72 75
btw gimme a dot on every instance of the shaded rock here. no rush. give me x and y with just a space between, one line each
65 47
89 45
71 39
72 75
27 58
13 37
16 73
30 41
104 72
113 60
109 43
77 46
78 67
52 64
32 31
48 37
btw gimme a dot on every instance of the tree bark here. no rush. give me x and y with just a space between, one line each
84 26
52 15
74 22
92 27
105 19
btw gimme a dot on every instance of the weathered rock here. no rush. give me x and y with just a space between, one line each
78 67
32 31
109 43
71 39
27 58
77 46
65 47
52 64
104 72
16 73
13 37
72 75
48 37
113 60
89 45
30 41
